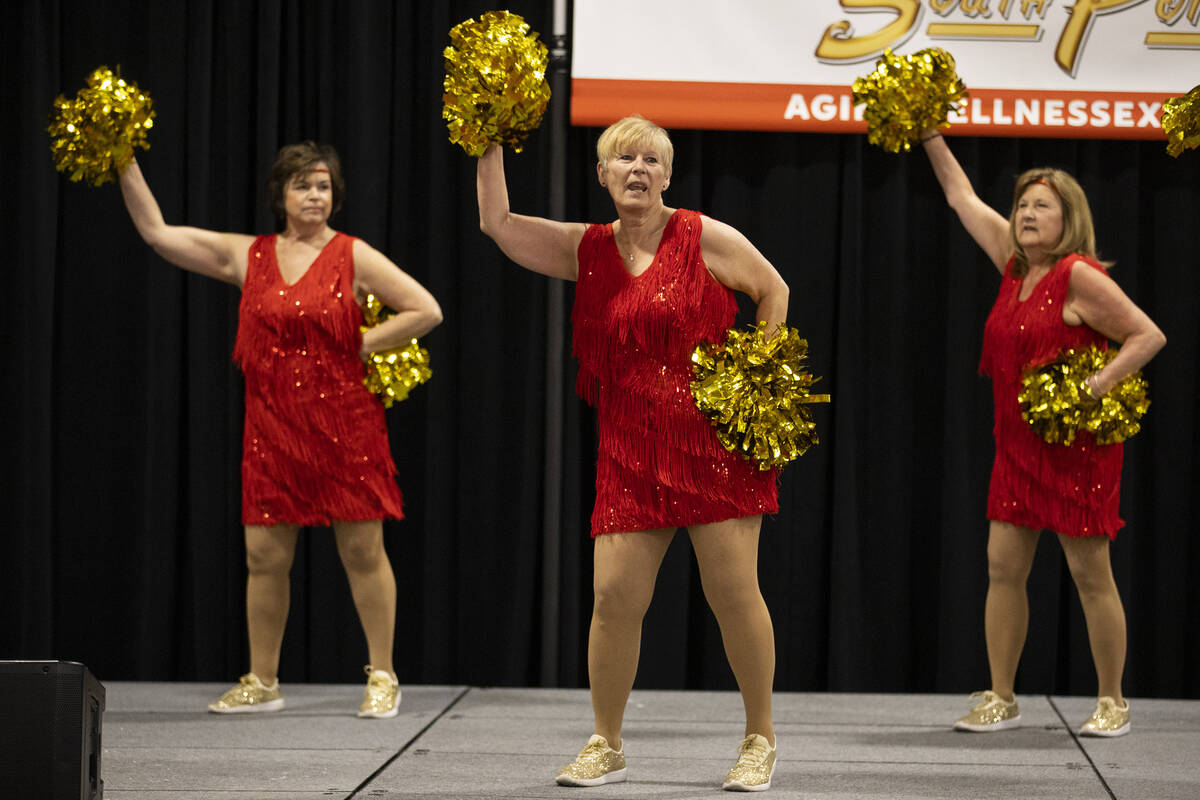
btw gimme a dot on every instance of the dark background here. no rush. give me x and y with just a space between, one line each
122 409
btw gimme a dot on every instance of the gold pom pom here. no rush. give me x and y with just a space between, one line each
1056 404
1181 122
908 94
755 391
92 137
495 87
392 374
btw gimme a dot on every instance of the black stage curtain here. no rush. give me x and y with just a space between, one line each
122 409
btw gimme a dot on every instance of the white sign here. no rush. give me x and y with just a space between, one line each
1069 68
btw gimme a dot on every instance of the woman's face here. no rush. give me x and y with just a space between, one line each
1038 220
308 198
635 176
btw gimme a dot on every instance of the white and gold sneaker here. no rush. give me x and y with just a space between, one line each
754 767
990 712
250 696
596 764
381 698
1109 719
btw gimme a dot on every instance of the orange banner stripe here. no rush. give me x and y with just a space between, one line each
830 109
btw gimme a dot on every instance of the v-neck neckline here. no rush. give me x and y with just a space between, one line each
1033 288
657 248
308 269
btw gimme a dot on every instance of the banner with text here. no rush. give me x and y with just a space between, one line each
1062 68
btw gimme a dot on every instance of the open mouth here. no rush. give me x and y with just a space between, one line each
636 186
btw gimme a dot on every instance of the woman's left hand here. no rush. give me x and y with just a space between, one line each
417 312
1095 300
737 264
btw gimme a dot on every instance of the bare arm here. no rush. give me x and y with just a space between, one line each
417 312
736 263
1095 300
985 225
538 244
216 255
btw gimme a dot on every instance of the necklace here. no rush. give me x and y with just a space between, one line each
627 252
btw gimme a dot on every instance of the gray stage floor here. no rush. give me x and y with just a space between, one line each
461 742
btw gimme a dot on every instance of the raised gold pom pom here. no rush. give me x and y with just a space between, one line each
1056 404
908 94
92 137
392 374
755 391
495 86
1181 122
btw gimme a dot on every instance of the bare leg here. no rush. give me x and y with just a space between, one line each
626 567
728 556
269 554
1088 560
1006 616
372 584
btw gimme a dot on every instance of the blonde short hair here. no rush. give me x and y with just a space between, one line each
1078 232
635 131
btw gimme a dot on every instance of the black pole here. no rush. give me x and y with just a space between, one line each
555 346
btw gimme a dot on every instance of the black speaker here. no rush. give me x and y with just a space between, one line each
50 719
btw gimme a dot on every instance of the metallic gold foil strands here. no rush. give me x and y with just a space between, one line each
392 374
1056 404
906 95
1181 122
92 137
755 391
495 86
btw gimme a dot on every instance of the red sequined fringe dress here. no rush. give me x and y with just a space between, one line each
315 447
1075 489
660 464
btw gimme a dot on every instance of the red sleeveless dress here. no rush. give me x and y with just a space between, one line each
1073 490
315 447
660 464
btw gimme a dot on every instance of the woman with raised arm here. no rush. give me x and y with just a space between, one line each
1054 294
315 449
650 286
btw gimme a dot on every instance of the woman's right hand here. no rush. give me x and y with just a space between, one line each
215 255
538 244
985 225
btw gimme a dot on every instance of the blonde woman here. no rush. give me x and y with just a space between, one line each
649 286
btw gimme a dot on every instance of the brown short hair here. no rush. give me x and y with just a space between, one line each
635 130
298 159
1078 233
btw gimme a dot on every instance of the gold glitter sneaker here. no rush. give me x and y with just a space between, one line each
990 712
250 696
381 698
596 764
1109 719
754 767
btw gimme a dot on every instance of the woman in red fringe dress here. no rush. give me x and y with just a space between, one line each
649 287
315 449
1054 294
